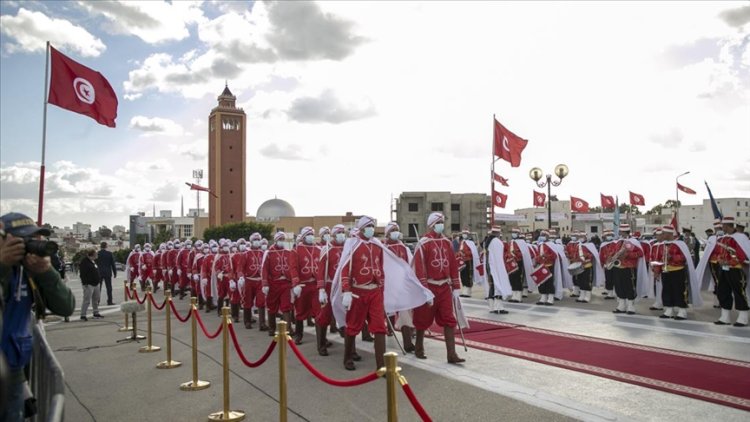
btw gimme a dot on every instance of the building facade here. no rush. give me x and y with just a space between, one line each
701 217
226 161
461 210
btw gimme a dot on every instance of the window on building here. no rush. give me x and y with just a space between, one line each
455 227
436 206
455 207
413 207
413 230
738 203
738 213
187 231
231 216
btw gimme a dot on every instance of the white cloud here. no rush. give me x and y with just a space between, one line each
29 32
670 138
195 151
290 152
328 108
152 21
156 125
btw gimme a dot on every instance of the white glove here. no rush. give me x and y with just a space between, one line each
456 293
179 272
297 290
232 285
170 273
430 302
143 267
190 275
322 296
265 290
220 276
204 283
195 277
241 283
137 279
347 300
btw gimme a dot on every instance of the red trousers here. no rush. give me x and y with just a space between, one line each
252 294
222 287
235 297
279 296
183 280
367 305
303 305
323 314
441 311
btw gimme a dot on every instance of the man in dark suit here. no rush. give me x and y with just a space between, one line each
107 269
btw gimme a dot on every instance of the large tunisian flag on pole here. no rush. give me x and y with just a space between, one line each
508 146
80 89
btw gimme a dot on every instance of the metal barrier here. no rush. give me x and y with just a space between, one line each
46 379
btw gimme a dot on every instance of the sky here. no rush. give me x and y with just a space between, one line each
351 103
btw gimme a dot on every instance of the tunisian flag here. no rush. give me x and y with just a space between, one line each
607 201
193 186
500 179
685 189
508 146
637 199
578 205
539 199
499 199
80 89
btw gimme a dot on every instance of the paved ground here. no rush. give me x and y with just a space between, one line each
107 380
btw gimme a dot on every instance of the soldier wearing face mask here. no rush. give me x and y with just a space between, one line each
405 320
436 268
606 250
237 257
206 271
708 268
158 266
221 274
328 263
183 267
466 257
279 273
195 271
518 248
305 289
171 265
325 237
146 266
131 269
250 286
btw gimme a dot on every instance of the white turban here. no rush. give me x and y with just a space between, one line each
323 230
255 236
279 236
434 218
391 227
365 221
307 230
338 228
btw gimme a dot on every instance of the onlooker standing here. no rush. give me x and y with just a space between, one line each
107 269
90 278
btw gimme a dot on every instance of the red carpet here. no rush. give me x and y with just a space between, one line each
713 379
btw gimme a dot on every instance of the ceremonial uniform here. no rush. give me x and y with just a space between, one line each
674 279
251 283
183 268
132 270
221 273
238 271
146 267
546 256
206 282
171 267
195 270
577 252
466 264
305 289
158 268
404 320
625 271
518 276
328 263
278 273
733 261
606 250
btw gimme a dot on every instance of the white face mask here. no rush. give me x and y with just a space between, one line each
514 235
573 238
326 237
256 243
263 247
280 244
720 232
148 249
215 249
234 249
542 239
242 248
309 239
225 248
607 238
340 238
369 232
439 227
465 236
395 235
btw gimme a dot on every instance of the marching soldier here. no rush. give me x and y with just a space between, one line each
327 266
733 275
519 251
652 259
466 256
237 257
606 250
146 266
196 272
250 285
629 271
183 266
307 257
132 267
405 321
279 273
499 263
547 257
677 275
158 267
207 266
221 273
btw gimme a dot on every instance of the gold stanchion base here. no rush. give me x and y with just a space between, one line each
149 349
168 364
138 337
233 415
194 386
123 329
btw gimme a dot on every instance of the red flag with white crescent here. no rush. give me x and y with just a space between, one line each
508 146
539 199
685 189
500 179
608 202
499 199
193 186
637 199
578 205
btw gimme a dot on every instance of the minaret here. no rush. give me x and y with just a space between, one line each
226 161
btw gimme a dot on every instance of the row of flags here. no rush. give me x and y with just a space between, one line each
509 147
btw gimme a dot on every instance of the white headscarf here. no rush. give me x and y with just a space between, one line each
434 218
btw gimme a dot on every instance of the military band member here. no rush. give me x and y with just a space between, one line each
656 242
708 269
465 255
131 265
733 275
250 284
196 271
606 250
278 274
305 290
546 255
330 256
629 270
677 275
499 263
404 322
518 248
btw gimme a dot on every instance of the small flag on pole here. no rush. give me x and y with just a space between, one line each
499 199
578 205
685 189
539 199
608 202
193 186
500 179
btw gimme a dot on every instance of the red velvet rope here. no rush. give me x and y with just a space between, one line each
177 315
127 292
137 299
372 376
158 308
203 327
415 403
241 355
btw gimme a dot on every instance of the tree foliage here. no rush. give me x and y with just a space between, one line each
121 255
162 236
237 230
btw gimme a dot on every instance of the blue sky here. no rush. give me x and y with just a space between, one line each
349 103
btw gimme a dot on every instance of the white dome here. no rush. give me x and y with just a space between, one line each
273 209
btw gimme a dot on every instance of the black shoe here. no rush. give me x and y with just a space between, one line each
609 298
721 323
83 318
662 316
631 313
679 318
549 304
574 295
617 311
502 312
654 308
717 306
737 324
98 315
540 303
66 319
110 303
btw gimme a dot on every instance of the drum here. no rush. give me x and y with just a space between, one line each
540 274
575 268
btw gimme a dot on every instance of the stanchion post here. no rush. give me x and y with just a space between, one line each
226 414
127 326
149 347
169 363
281 340
195 384
391 376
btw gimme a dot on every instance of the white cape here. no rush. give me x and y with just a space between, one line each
497 267
557 273
596 265
567 278
703 270
476 262
693 281
645 285
528 265
402 289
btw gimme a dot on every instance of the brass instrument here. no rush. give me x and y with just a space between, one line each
614 260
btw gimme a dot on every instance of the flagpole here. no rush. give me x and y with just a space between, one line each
492 178
677 198
44 140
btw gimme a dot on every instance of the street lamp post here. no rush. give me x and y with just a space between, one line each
561 170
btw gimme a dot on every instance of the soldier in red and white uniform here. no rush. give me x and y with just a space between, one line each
518 249
195 250
651 257
325 237
405 320
576 251
437 269
305 289
278 274
547 257
221 274
195 271
207 266
733 275
158 255
184 267
628 257
250 285
362 279
466 264
132 267
237 256
146 266
673 274
606 250
171 265
330 256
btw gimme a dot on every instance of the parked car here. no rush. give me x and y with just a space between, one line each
120 266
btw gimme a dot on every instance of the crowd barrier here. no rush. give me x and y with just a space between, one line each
46 380
281 341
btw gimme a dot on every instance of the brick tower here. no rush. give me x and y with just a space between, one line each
226 161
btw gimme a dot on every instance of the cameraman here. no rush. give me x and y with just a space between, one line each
26 280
